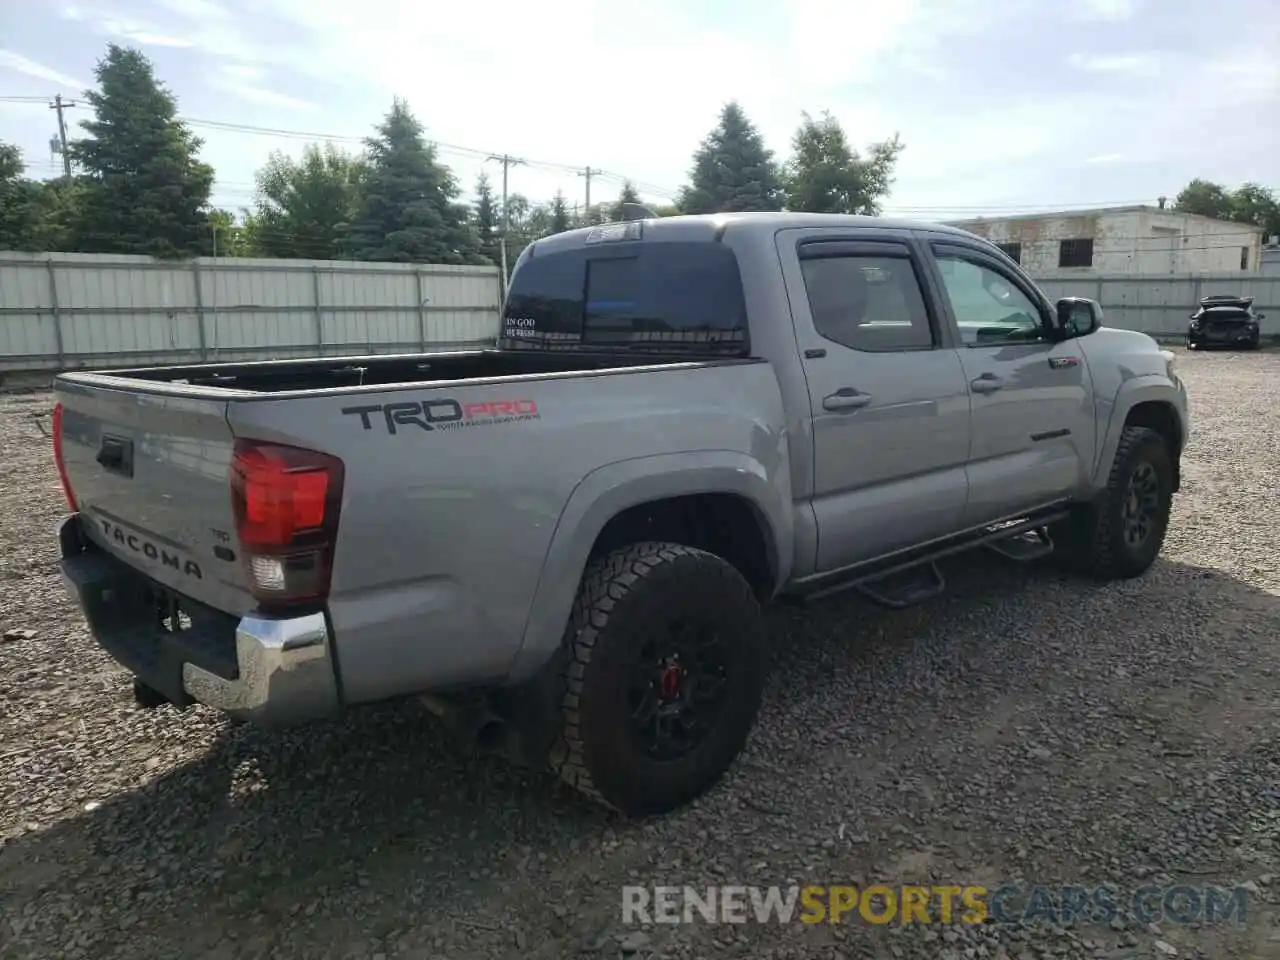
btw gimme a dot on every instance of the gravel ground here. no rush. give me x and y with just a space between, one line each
1025 728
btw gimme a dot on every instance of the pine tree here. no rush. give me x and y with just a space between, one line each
408 210
145 190
486 219
559 213
627 195
733 170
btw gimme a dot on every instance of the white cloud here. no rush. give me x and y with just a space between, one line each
197 9
603 90
124 28
245 81
1108 10
1129 64
16 61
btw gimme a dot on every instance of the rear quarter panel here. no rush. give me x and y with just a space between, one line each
444 533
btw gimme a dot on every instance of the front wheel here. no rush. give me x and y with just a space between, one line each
1120 535
665 672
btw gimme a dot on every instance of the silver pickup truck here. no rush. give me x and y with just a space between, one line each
562 544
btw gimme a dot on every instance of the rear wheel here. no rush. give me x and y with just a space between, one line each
1120 535
664 677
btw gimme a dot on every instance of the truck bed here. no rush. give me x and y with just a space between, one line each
321 373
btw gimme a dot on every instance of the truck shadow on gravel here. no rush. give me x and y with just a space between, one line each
383 812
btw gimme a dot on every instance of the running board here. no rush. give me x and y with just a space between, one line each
1024 547
869 578
922 582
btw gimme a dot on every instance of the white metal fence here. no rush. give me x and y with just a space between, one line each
64 310
1161 306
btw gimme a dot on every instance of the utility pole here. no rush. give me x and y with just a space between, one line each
507 162
588 174
59 105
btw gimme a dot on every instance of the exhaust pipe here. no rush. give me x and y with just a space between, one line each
472 720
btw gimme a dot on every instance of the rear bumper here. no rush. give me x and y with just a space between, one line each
1222 338
264 670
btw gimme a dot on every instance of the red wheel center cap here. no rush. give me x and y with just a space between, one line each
669 682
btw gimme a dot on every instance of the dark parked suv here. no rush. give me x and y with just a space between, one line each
1224 321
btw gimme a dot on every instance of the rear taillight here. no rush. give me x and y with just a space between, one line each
286 503
59 461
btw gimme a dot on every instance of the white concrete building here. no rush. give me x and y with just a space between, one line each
1139 240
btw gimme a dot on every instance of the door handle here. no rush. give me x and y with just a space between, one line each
845 398
987 383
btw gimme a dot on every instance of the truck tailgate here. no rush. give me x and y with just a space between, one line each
149 473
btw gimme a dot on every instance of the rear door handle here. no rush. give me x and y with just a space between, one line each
845 398
987 383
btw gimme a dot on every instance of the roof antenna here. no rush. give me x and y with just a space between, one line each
637 211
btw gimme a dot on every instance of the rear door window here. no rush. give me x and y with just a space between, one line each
656 294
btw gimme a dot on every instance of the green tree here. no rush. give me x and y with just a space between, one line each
1255 204
303 206
408 210
826 175
628 194
733 170
668 210
146 192
20 203
1204 198
1249 203
559 213
231 239
485 216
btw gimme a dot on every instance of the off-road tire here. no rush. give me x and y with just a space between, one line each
1092 541
626 596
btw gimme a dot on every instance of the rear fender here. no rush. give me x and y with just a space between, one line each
607 491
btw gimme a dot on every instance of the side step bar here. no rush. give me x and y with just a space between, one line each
1024 547
915 577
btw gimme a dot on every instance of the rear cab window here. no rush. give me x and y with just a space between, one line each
647 295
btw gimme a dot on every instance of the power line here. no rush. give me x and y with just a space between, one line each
960 211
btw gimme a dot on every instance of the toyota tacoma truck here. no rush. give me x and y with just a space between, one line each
562 544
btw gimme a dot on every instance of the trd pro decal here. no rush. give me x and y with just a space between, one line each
442 413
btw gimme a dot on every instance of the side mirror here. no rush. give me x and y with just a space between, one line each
1077 317
1261 316
1194 315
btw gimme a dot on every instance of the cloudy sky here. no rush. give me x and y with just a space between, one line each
1004 105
